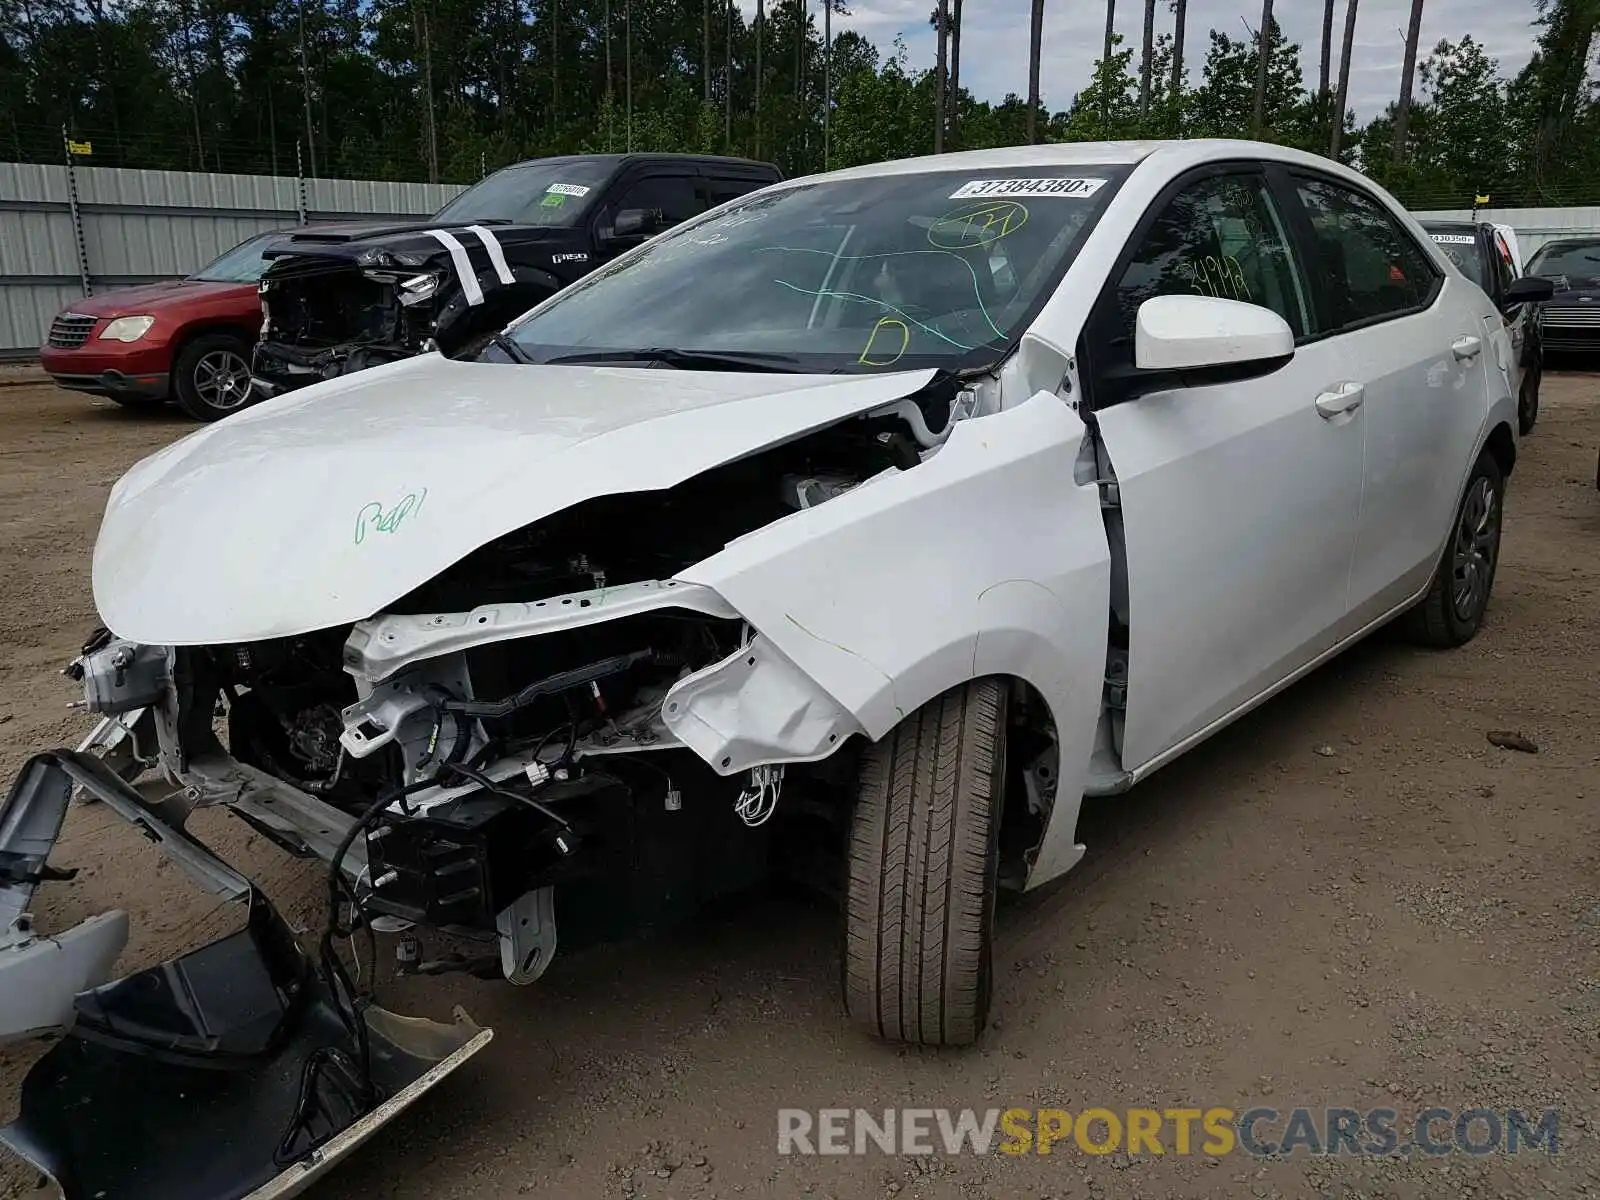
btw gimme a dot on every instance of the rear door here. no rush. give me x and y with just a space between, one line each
1414 340
1238 502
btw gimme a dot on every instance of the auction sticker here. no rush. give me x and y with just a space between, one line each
568 189
982 188
1454 239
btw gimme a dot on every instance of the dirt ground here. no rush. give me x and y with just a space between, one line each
1348 899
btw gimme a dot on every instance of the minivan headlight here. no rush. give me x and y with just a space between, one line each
127 329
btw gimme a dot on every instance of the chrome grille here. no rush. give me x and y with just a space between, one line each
70 330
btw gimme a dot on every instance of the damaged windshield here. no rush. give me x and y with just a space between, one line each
896 271
552 192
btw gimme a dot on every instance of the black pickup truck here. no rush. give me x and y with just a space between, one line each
340 298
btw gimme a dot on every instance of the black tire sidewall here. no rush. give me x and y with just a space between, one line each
183 368
1528 401
1464 630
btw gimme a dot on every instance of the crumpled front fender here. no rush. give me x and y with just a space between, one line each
988 558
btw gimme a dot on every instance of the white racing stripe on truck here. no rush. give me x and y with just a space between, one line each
496 255
463 265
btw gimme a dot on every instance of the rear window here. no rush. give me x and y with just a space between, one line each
1460 246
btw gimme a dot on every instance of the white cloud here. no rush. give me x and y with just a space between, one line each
994 39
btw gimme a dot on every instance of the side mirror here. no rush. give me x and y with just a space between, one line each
1210 337
1530 289
632 222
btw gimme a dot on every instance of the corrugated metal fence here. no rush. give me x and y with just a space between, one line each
142 226
1534 226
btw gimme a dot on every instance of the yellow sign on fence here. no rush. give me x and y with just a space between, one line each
80 148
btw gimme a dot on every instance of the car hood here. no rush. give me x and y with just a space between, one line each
1572 290
151 297
321 507
412 238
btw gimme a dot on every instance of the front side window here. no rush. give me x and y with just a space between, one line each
670 198
1223 237
895 271
1371 266
555 193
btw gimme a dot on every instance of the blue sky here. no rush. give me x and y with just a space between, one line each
994 39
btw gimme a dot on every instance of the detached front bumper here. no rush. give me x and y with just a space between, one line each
235 1071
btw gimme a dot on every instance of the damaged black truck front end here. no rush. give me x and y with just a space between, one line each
340 298
337 301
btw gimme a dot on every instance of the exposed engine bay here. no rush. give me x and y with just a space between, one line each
539 721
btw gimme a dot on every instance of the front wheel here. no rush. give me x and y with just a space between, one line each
212 376
923 863
1452 611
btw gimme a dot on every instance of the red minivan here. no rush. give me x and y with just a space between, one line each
188 340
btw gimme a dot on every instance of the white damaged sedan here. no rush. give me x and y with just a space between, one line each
859 528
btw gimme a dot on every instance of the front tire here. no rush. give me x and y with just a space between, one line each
923 863
212 377
1452 611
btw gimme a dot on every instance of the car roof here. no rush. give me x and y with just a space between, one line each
619 160
1175 156
1453 226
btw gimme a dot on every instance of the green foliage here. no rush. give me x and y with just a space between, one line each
447 89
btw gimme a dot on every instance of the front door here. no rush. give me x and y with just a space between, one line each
669 196
1238 502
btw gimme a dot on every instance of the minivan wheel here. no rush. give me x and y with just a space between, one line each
923 862
1452 611
212 377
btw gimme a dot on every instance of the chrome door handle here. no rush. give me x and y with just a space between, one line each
1346 397
1466 347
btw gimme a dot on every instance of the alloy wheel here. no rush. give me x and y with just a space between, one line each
1476 541
222 379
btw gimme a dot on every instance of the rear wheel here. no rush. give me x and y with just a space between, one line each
924 852
1452 611
1528 399
212 376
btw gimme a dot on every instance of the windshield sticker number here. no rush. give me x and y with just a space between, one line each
374 518
1455 239
1211 276
566 189
985 188
890 323
977 224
